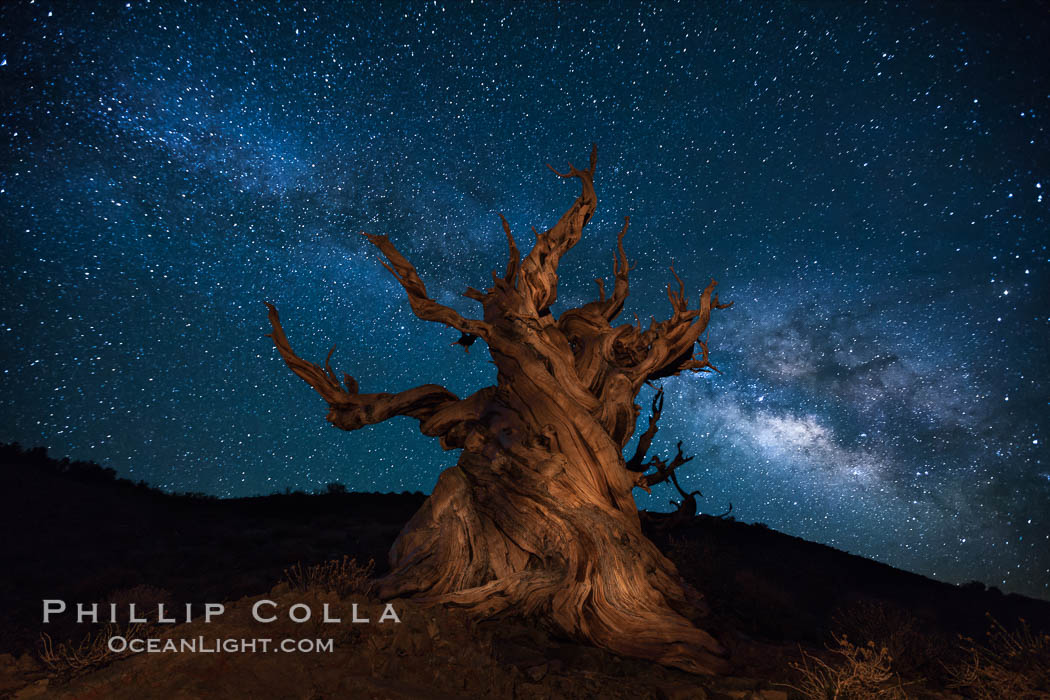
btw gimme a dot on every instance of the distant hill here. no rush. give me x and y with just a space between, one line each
77 533
80 533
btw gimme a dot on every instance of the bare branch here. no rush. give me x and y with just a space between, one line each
664 470
601 288
678 487
323 382
636 462
621 270
539 271
573 172
423 306
678 300
513 257
591 320
349 409
669 344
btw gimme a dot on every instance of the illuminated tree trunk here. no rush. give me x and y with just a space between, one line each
537 517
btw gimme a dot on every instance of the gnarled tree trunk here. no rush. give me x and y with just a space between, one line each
538 517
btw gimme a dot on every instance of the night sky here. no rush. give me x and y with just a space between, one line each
868 182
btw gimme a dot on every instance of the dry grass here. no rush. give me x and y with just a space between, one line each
854 673
343 577
1014 665
914 644
92 652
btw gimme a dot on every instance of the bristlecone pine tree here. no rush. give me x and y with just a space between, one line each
538 517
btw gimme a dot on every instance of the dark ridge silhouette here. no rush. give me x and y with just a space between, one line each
81 534
76 532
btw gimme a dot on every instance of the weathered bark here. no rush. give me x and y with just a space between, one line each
538 517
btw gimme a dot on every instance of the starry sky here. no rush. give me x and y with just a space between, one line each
868 182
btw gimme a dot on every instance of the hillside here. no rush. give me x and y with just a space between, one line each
80 534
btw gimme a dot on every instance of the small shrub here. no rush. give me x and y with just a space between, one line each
341 576
1014 665
856 673
913 644
92 652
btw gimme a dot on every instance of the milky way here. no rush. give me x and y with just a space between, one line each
867 182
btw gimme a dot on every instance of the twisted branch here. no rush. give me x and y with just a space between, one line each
664 470
349 409
668 345
637 462
539 272
612 307
422 305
